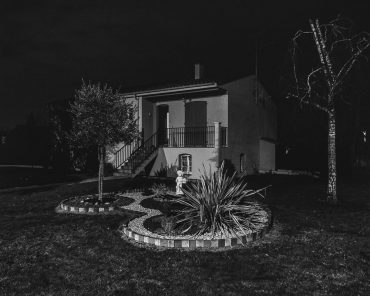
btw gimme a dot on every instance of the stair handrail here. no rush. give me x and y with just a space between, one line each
123 154
147 147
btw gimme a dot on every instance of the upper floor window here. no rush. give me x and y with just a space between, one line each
185 163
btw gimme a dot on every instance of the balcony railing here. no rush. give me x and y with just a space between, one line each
192 137
134 153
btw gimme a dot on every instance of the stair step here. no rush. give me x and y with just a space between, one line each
117 173
125 170
136 163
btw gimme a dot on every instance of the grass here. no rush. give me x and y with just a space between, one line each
318 250
25 176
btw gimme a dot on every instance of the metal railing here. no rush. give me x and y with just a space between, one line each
190 137
136 152
143 152
122 155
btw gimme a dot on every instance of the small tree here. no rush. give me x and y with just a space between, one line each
320 83
101 117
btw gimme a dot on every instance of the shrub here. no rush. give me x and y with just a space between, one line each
159 190
168 224
166 171
219 204
162 172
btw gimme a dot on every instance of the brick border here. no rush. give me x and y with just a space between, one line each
85 210
65 208
197 243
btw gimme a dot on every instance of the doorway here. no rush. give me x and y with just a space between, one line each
163 124
196 124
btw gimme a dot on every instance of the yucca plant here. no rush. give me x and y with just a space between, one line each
220 204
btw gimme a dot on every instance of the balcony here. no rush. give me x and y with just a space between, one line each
192 137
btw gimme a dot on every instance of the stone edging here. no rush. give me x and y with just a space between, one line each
137 232
194 243
64 207
87 209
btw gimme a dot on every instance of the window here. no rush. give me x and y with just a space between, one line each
243 162
185 163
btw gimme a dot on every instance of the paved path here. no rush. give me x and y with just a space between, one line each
137 224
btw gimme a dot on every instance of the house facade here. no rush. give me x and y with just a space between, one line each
196 125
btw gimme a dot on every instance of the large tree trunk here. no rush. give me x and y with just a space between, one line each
332 170
101 155
330 79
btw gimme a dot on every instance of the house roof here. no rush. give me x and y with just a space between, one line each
171 87
166 85
181 87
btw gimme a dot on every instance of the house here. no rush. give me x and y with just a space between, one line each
198 124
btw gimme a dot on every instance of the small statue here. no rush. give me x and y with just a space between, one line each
179 181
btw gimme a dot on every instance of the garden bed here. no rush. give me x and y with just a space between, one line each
147 229
90 204
165 205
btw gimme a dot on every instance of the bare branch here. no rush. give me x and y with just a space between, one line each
303 100
299 33
346 68
321 52
321 86
325 54
309 76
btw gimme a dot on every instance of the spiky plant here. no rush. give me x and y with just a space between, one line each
220 204
159 190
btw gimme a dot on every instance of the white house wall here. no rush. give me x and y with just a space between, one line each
216 111
110 150
201 157
248 123
267 155
147 118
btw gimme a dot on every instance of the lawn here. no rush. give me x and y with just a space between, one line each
314 249
18 176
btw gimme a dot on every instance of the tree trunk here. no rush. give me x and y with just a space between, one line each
330 78
332 170
101 155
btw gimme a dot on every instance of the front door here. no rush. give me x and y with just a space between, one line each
196 124
163 118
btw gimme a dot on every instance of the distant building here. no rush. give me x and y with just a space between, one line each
196 124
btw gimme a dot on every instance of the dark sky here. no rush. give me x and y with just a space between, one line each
47 47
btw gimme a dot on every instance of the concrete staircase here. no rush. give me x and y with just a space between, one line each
136 162
129 170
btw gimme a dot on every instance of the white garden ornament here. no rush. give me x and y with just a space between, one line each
179 181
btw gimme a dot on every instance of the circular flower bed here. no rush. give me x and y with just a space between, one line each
91 203
166 206
218 211
150 229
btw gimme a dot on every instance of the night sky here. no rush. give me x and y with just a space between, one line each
47 47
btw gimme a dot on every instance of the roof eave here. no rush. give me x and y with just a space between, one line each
173 90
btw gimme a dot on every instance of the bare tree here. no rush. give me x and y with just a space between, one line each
319 84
